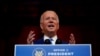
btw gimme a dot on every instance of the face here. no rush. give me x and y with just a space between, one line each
49 22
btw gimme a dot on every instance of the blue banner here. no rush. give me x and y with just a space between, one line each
53 50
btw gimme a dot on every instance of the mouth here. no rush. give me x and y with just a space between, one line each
51 26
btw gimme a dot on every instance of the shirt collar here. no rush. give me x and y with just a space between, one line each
54 37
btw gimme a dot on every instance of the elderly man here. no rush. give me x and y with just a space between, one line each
49 23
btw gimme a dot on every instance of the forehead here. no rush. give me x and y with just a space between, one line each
49 13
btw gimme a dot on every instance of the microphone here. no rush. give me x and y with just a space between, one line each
47 41
58 41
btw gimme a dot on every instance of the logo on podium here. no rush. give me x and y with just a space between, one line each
39 52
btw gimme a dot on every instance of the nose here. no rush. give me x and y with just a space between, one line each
50 20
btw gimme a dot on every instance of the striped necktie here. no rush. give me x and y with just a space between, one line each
51 40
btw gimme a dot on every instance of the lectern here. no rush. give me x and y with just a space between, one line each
53 50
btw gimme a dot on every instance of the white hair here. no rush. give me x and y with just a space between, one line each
41 18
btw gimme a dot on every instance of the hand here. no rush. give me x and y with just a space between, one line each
30 37
72 39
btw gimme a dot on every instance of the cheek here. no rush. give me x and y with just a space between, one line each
57 26
45 22
44 25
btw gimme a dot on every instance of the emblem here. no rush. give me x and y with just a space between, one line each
39 52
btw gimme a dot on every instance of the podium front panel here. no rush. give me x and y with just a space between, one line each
53 50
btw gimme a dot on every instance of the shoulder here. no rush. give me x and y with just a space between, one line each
40 41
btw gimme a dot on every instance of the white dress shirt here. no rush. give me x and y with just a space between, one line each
54 38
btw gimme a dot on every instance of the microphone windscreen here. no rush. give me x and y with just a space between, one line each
58 41
47 41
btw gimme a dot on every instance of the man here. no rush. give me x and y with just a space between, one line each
49 23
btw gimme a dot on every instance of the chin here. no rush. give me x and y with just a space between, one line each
51 31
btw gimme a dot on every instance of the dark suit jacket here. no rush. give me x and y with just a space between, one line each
41 41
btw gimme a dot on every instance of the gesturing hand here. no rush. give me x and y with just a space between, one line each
72 39
30 37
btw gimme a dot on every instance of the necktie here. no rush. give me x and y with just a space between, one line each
51 40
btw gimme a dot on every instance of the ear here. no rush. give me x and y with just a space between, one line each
41 25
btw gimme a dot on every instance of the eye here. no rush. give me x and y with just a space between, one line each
47 18
54 18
